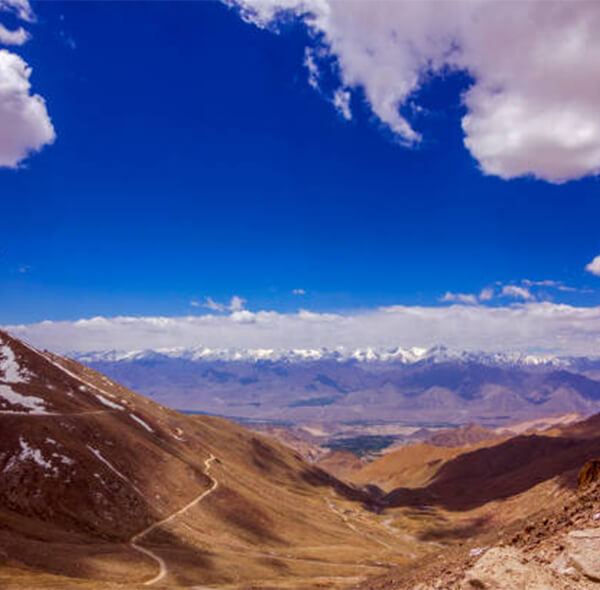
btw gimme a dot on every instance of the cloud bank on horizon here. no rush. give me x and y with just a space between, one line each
533 106
521 327
25 125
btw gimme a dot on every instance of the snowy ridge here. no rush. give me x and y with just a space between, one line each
398 355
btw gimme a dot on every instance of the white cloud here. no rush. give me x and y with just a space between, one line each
524 327
533 108
528 290
25 126
235 304
16 37
544 283
559 285
594 266
243 317
517 292
209 303
21 8
311 65
298 292
24 121
341 101
468 298
569 289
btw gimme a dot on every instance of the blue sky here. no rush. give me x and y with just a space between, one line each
193 159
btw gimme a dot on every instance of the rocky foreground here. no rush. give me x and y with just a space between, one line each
557 550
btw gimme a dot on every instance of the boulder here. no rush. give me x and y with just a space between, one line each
505 568
583 552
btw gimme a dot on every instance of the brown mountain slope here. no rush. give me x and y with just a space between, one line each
104 488
460 478
470 434
555 548
342 464
454 496
472 479
588 428
411 466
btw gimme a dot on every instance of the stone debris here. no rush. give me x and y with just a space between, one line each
506 568
583 551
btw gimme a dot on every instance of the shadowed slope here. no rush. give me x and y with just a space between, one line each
501 471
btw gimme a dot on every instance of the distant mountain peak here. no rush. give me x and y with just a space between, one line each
398 355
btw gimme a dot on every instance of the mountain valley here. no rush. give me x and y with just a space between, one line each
104 488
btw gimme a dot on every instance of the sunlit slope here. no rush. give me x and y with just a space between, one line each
86 466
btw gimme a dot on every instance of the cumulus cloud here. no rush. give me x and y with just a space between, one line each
21 8
526 327
594 266
533 107
517 292
209 303
468 298
298 292
15 37
243 317
523 290
24 120
236 303
25 125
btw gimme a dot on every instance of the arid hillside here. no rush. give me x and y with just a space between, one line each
518 496
101 487
555 548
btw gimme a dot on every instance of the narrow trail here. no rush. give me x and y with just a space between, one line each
66 414
387 523
351 526
134 542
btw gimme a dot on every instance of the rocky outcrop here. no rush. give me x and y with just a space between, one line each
589 474
577 565
583 552
506 568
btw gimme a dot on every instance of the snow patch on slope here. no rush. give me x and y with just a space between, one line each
141 422
108 403
9 367
28 453
36 405
100 458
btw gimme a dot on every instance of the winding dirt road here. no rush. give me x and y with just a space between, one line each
134 542
352 527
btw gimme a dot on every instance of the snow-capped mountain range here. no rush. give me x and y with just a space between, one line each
405 384
405 356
